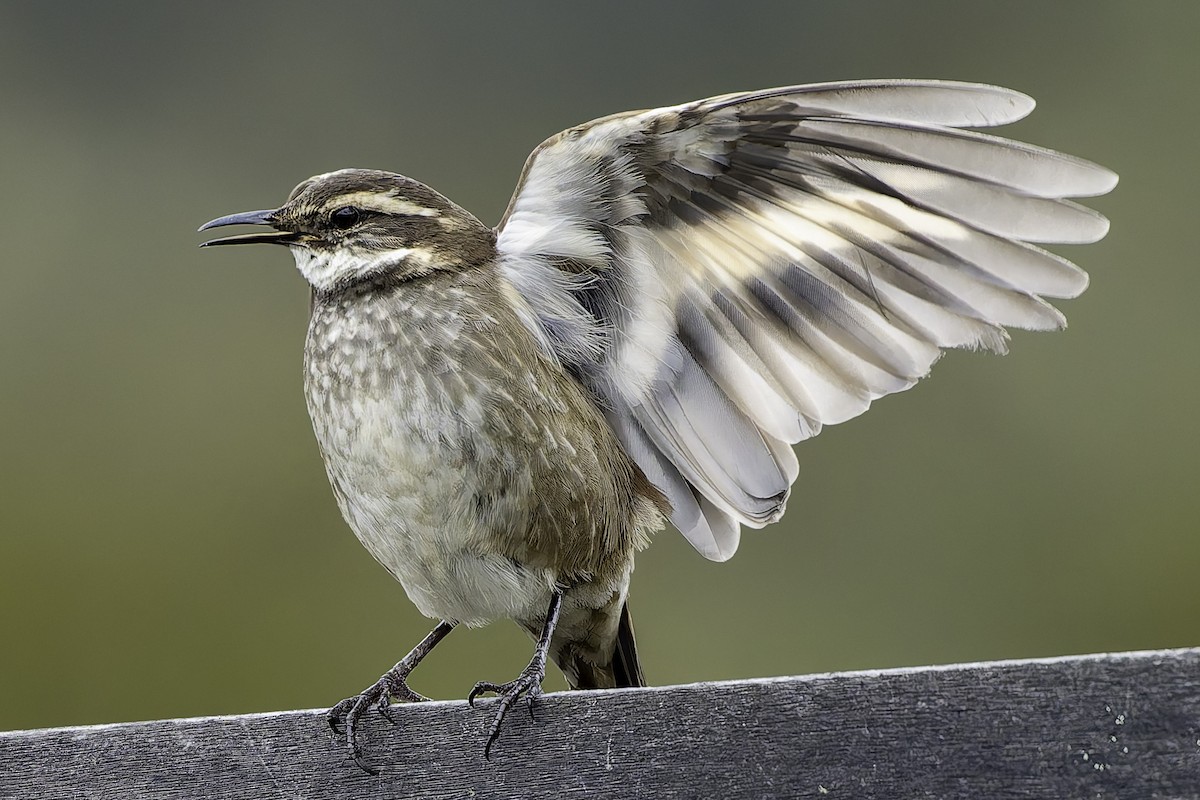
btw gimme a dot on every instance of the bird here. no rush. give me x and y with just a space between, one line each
673 298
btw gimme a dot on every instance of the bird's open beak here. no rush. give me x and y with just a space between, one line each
266 217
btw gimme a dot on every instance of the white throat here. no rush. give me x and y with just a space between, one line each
326 270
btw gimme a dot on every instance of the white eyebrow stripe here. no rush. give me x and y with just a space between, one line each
385 203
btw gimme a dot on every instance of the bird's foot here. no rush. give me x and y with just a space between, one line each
393 684
528 683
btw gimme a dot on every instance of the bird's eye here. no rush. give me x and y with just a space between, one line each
345 217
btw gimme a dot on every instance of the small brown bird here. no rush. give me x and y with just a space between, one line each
673 298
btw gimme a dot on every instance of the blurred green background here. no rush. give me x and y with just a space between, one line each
168 543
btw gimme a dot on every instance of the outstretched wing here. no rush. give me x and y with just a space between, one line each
729 275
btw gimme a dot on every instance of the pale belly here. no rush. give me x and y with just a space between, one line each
415 505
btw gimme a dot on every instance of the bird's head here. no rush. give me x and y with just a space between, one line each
356 225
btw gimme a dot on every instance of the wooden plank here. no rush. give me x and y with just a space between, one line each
1104 726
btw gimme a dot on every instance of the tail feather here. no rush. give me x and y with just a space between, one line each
627 669
623 670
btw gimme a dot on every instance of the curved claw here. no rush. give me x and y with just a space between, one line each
484 686
529 684
334 716
364 701
365 767
351 710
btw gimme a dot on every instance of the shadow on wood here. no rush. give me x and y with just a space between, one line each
1119 726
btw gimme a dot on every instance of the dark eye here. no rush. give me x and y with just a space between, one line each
345 217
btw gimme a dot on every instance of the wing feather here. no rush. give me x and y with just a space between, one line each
730 275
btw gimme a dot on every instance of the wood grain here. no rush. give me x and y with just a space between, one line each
1102 726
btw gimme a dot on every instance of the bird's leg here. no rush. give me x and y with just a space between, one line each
393 684
528 683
